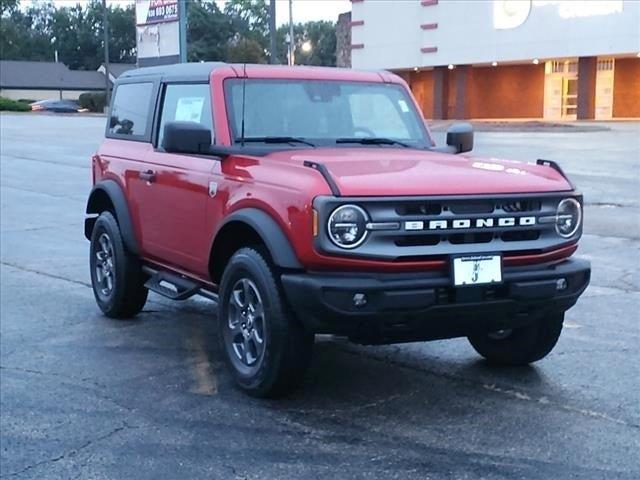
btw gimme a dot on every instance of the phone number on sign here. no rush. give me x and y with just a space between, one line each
163 12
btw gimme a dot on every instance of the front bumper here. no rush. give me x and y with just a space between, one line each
423 306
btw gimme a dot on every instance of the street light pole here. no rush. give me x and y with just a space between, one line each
182 30
291 41
273 58
105 20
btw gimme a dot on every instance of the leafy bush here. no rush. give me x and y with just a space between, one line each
93 101
13 106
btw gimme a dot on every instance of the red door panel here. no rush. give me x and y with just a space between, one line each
172 204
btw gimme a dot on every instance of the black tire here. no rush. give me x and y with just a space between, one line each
279 362
127 294
522 345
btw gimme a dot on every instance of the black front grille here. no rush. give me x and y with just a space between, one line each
468 208
465 238
407 229
521 206
418 208
421 222
422 240
520 235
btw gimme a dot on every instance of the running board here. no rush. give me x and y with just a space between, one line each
170 285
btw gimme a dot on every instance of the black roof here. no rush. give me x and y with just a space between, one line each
183 71
202 70
47 75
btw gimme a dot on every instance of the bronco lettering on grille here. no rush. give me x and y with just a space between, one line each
465 223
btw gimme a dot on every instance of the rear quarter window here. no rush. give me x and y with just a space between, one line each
130 111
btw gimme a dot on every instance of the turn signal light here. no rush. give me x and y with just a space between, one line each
315 223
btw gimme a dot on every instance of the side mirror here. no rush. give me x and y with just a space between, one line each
460 137
186 137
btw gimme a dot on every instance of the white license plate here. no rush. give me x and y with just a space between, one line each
477 270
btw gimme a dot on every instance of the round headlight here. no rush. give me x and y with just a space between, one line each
568 217
347 226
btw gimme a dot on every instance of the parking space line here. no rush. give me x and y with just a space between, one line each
204 376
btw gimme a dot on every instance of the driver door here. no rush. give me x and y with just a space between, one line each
173 188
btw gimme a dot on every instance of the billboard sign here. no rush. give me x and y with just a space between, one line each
158 27
156 11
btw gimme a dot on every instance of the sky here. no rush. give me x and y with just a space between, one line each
303 10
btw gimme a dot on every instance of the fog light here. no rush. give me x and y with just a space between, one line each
359 299
561 284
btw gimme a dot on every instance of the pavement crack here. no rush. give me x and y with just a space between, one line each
45 274
606 205
96 388
40 160
53 374
74 451
507 391
543 400
235 473
355 408
46 227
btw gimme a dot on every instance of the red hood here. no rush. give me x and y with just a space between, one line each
397 171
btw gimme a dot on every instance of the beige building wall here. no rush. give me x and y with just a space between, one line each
17 94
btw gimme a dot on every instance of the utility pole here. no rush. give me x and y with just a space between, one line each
273 58
291 42
105 21
182 26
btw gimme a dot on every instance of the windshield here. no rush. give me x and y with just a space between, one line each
325 112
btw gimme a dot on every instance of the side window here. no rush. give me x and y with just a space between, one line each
186 103
130 111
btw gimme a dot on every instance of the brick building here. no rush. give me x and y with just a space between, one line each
551 59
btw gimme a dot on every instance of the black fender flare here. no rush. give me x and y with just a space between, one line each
117 197
271 234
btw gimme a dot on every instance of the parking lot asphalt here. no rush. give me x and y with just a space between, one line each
83 396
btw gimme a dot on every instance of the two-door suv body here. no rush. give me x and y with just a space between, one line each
314 201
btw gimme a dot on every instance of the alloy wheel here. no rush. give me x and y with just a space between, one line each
105 265
245 332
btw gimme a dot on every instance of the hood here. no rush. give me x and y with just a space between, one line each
398 171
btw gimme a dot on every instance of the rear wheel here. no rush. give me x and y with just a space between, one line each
116 274
520 346
266 349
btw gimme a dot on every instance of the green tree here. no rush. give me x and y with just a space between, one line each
245 50
25 35
250 19
75 32
209 32
240 33
322 37
8 6
122 34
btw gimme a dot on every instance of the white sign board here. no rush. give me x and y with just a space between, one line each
157 32
156 11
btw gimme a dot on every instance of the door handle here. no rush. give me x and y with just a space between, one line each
148 176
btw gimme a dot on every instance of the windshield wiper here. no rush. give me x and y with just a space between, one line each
275 140
372 141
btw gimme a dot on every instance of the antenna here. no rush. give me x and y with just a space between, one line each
244 87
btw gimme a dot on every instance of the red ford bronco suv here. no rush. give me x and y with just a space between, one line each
315 201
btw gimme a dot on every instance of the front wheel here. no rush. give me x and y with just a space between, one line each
522 345
264 346
116 274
